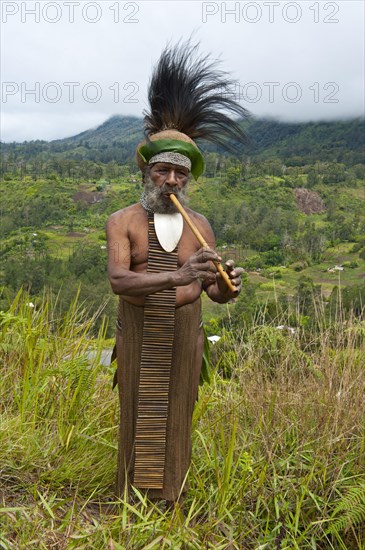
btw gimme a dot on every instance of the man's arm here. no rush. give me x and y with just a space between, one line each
129 283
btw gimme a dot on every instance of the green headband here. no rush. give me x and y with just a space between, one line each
152 148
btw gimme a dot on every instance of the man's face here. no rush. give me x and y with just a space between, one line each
172 175
162 179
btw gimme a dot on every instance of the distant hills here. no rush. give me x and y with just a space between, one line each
293 143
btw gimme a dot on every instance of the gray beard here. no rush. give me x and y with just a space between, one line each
153 197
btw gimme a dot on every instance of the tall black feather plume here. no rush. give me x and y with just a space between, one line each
188 93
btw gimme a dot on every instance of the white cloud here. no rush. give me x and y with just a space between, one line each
317 60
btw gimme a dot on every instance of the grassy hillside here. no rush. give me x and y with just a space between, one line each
278 441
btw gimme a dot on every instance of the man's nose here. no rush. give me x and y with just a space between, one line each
171 178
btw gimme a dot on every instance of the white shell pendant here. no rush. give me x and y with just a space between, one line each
168 229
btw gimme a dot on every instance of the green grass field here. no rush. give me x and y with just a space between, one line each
278 442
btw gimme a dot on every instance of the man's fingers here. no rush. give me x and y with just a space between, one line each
207 254
205 276
236 280
236 272
205 266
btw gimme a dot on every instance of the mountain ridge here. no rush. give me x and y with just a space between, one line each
117 137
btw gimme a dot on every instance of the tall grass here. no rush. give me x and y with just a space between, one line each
279 446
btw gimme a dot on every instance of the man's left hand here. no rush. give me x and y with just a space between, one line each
234 273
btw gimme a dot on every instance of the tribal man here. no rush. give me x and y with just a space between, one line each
159 270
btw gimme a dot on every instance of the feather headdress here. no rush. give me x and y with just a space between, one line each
189 99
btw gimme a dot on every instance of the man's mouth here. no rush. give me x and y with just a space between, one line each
166 199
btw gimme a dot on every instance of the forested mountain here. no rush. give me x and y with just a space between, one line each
116 139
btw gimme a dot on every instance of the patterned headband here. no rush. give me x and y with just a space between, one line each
171 158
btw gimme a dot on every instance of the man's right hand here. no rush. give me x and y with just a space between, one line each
199 266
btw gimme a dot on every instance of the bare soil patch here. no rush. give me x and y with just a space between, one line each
90 197
308 201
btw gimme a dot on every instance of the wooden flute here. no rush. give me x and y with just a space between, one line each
202 241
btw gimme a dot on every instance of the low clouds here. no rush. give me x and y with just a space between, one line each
67 66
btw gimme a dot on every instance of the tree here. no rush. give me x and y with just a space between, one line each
233 175
312 178
307 293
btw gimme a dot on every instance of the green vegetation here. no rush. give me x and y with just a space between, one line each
279 442
53 229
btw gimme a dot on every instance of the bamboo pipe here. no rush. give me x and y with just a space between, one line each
202 241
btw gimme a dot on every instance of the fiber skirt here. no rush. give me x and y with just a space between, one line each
183 391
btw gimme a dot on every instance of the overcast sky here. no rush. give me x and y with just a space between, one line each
69 65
